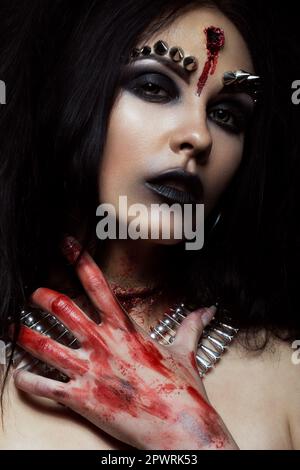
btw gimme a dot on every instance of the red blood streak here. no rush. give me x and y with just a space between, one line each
129 292
193 360
215 40
71 249
116 318
48 350
119 397
116 398
64 309
147 354
100 359
200 400
210 419
166 388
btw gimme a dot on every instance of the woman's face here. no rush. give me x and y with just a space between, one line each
159 123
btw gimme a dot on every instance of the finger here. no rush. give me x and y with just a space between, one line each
51 352
191 329
65 310
41 386
95 283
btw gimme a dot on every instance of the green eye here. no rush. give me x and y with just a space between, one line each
222 115
229 117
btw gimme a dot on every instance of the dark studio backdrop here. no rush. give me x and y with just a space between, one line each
280 21
281 18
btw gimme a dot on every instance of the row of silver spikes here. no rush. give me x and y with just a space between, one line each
34 321
218 335
225 334
240 77
169 324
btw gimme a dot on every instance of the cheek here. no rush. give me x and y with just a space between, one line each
127 151
224 162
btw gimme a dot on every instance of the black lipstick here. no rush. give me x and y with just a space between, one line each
177 186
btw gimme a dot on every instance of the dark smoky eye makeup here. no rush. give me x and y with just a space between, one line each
150 84
231 113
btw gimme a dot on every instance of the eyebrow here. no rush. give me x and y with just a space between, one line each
173 66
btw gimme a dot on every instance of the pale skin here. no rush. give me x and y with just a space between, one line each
186 138
127 385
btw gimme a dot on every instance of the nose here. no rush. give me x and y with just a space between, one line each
192 140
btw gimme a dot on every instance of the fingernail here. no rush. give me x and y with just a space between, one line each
208 315
71 249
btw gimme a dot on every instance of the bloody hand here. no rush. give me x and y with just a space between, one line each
147 395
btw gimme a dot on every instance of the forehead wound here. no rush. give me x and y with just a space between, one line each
215 41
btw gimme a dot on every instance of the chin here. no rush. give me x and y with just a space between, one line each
170 242
166 236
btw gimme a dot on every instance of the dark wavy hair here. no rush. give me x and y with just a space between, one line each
62 62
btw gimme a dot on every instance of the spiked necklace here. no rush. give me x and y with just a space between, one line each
215 339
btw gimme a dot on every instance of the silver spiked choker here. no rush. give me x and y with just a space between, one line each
215 339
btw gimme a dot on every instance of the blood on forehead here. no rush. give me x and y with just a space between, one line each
215 41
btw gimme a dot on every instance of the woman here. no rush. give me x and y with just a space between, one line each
89 101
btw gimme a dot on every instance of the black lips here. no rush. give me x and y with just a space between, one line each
193 192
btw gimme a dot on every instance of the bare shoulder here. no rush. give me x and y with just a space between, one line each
280 361
290 385
263 386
